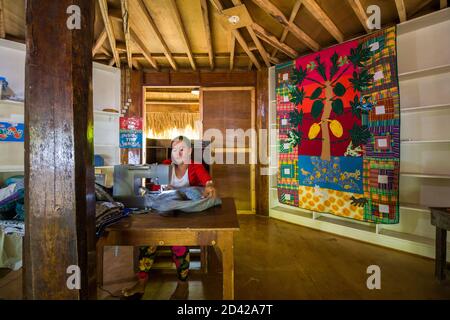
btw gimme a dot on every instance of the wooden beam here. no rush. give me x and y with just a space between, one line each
273 41
99 43
324 19
232 47
137 65
2 20
360 12
115 14
157 33
275 13
422 5
238 36
126 31
182 31
294 13
143 49
109 30
207 27
443 4
179 102
261 49
401 9
218 55
59 148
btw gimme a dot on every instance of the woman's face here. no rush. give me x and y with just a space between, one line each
181 153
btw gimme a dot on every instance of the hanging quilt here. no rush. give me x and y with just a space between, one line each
338 126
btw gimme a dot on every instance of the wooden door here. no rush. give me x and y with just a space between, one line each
231 108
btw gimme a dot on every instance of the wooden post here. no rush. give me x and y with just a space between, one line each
59 173
262 122
131 83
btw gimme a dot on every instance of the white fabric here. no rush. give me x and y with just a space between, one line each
7 191
179 183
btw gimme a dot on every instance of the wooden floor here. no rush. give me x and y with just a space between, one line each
278 260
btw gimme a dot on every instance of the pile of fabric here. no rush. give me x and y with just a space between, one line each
12 196
107 211
188 200
12 227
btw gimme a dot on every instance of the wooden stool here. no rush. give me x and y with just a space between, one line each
440 217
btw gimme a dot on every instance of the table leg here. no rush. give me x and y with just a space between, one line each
100 254
441 250
204 259
226 247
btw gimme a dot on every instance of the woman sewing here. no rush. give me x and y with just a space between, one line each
184 174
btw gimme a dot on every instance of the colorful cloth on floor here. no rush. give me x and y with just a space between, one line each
338 124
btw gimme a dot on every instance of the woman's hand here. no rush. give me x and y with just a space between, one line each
210 191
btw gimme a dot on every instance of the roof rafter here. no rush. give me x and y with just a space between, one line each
182 31
99 43
360 13
143 49
294 13
276 13
109 30
273 41
255 39
207 27
126 31
401 9
155 30
232 47
238 36
324 19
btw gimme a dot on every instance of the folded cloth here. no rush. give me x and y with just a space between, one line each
189 199
100 228
12 193
104 207
103 193
107 213
12 227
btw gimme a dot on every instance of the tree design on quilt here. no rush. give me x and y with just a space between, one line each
326 95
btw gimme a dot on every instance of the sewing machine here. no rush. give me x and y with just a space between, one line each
128 182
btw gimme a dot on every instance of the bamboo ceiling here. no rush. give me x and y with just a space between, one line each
195 34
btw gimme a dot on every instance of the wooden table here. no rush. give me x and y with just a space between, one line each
212 227
440 217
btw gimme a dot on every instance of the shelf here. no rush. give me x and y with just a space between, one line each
407 237
106 145
424 72
12 168
104 167
424 108
414 207
12 102
104 113
423 22
423 141
425 175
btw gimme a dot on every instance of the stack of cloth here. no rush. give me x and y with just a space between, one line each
12 227
12 197
187 200
107 211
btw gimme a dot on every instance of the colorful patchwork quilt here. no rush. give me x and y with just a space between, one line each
338 121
